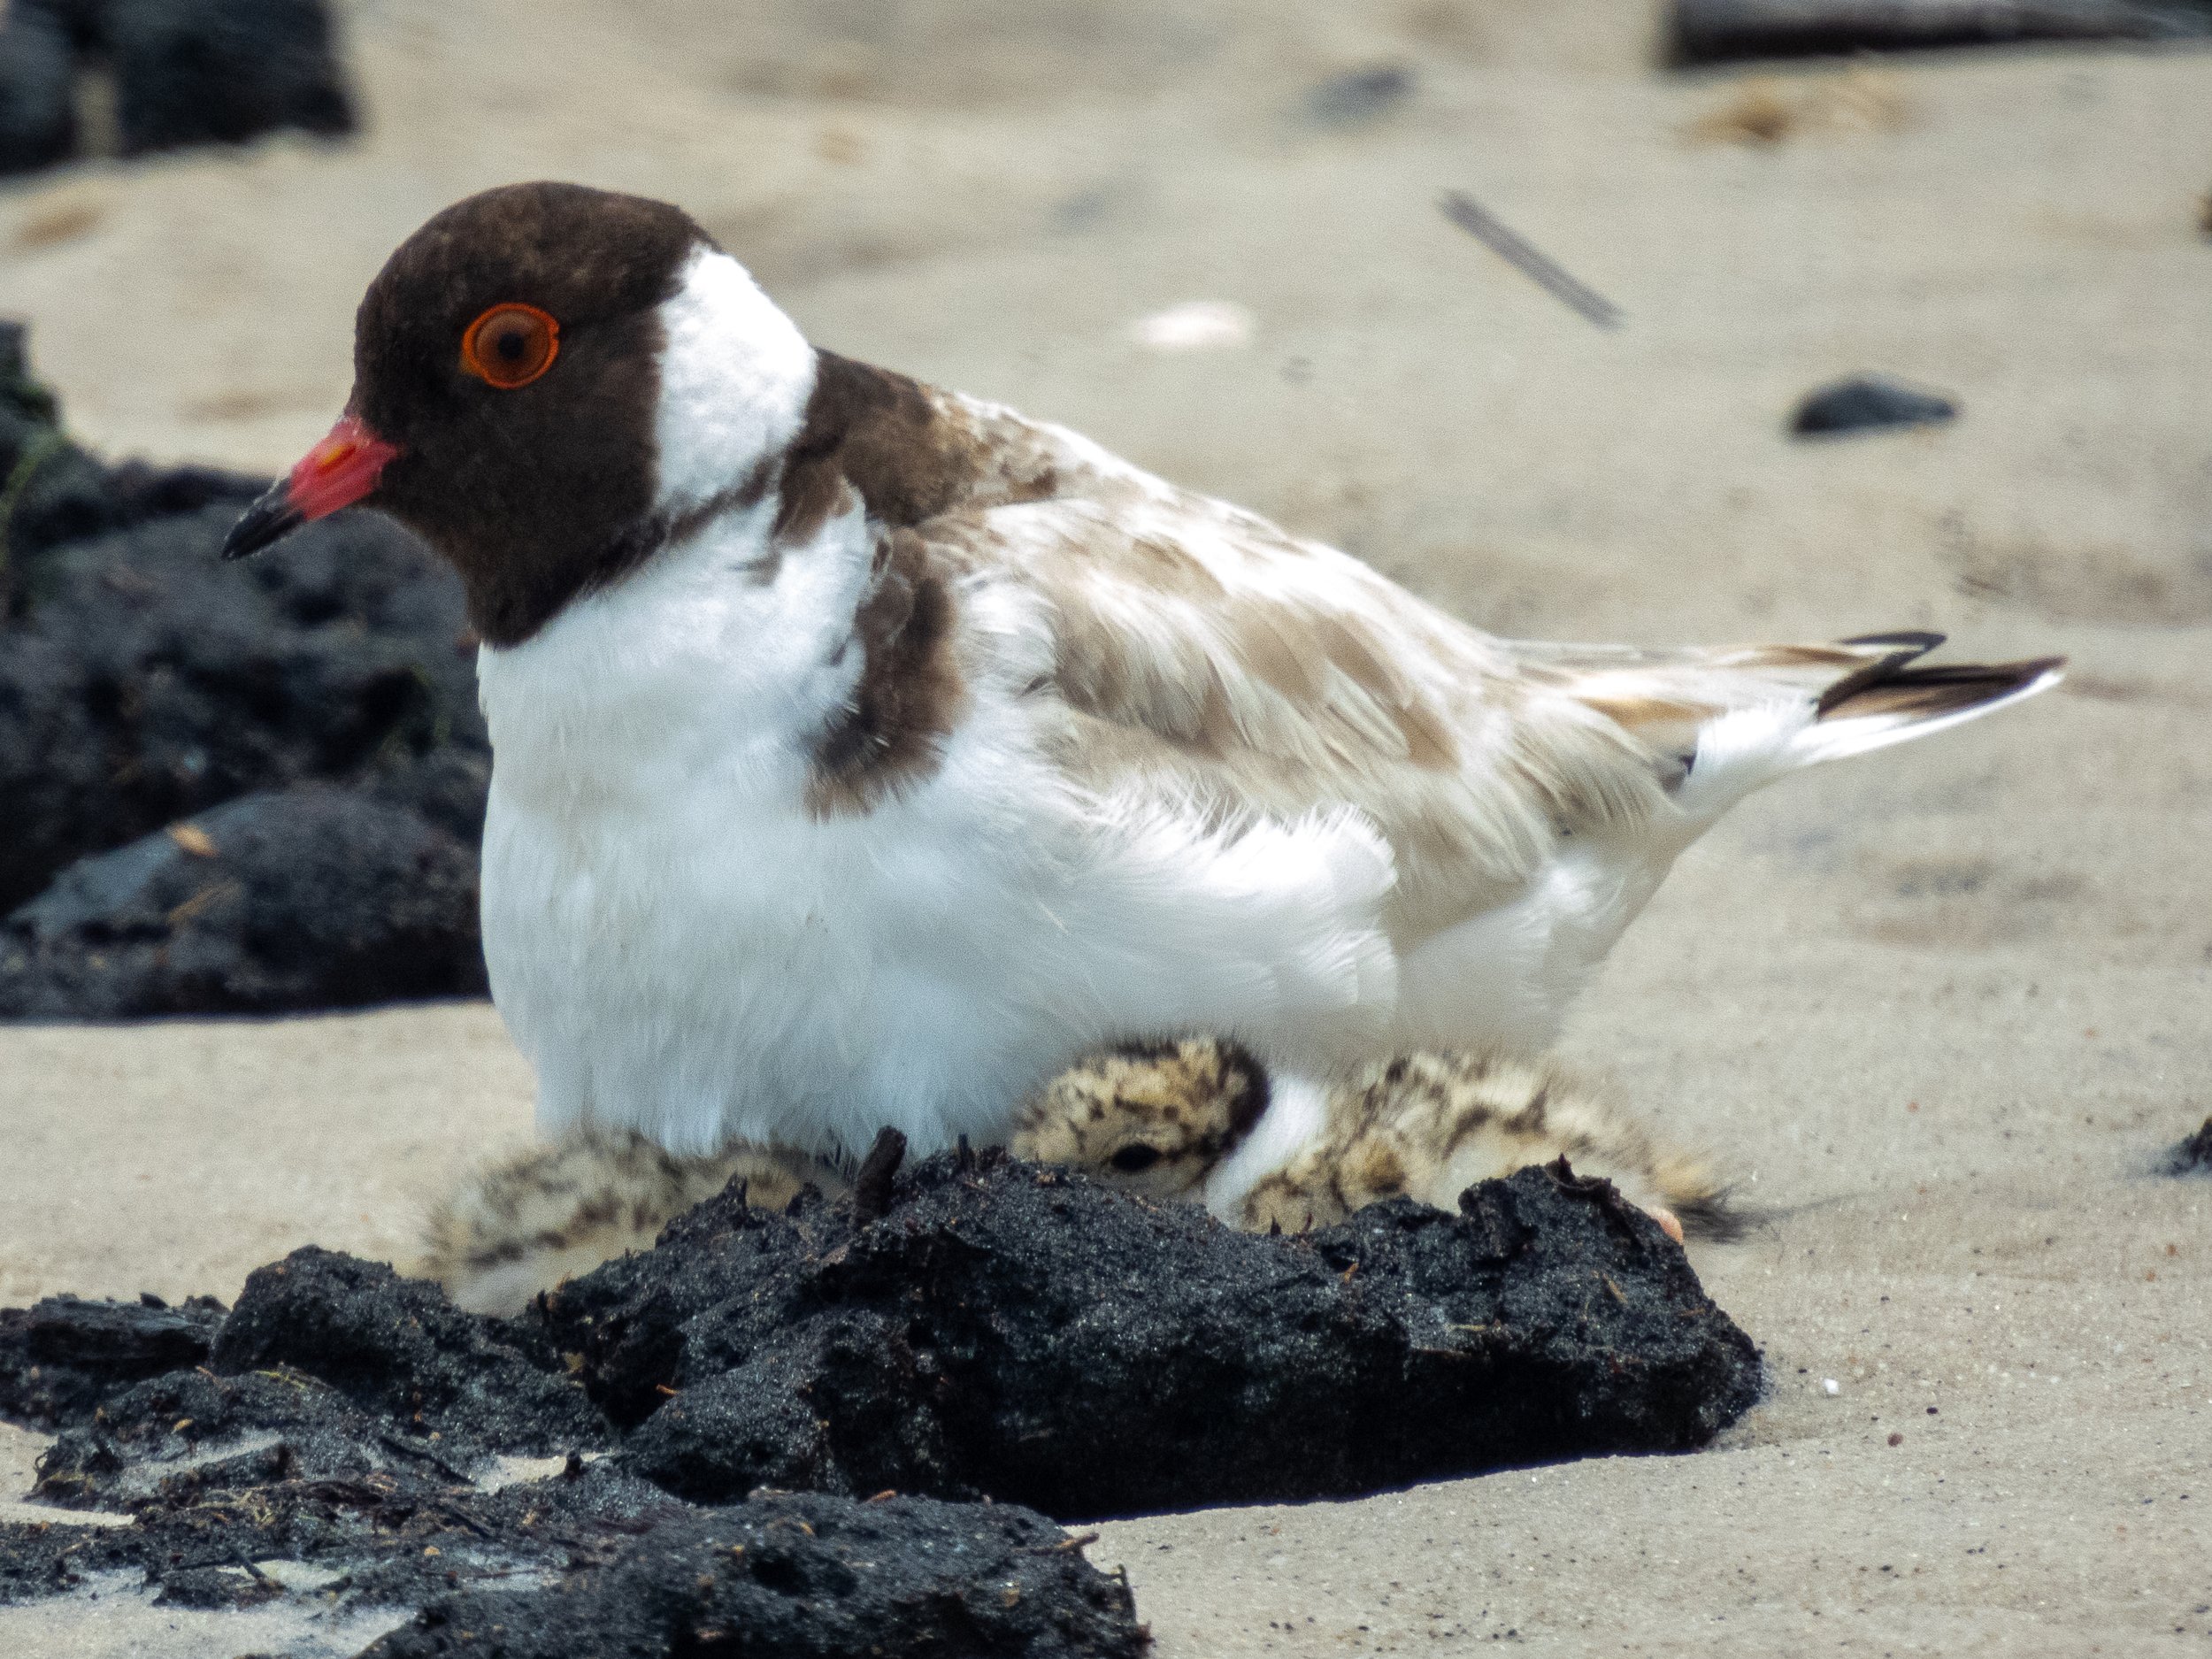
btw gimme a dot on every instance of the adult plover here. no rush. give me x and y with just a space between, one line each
864 752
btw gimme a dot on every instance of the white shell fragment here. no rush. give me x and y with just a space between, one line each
1196 326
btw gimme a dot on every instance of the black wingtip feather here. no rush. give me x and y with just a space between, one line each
1890 687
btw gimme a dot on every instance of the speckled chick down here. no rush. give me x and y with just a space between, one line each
1169 1120
529 1222
1165 1120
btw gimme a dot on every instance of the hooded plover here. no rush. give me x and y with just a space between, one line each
864 752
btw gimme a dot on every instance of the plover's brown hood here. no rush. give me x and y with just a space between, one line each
506 367
519 403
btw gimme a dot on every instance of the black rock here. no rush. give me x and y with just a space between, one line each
1002 1330
63 1358
143 680
808 1577
2193 1155
149 681
998 1330
1021 1332
1868 402
197 72
71 495
38 119
397 1347
313 898
52 492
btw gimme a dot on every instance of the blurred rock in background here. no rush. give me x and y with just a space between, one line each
171 73
53 492
143 682
38 115
1721 31
1868 402
312 898
205 71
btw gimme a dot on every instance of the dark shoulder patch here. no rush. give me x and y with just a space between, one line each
910 695
907 455
892 441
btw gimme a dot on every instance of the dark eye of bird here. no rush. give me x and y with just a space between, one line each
512 345
1130 1159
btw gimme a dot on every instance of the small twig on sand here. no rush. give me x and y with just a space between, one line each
1485 226
1072 1541
872 1187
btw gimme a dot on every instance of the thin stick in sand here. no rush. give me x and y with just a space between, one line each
1486 229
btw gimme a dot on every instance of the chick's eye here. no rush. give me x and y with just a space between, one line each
1130 1159
511 345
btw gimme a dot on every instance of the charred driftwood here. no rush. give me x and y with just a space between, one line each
1721 31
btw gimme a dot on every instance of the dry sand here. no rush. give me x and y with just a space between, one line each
1939 1009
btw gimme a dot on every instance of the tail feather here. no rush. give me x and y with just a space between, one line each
1721 721
1909 648
1889 701
1744 716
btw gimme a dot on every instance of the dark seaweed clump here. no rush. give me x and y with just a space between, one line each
60 1360
808 1578
377 1460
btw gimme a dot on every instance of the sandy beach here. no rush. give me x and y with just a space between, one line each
1936 1011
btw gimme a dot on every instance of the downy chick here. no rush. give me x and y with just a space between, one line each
1191 1120
527 1223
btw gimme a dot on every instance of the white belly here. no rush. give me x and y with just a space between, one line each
703 974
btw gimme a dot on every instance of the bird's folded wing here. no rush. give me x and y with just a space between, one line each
1175 647
1181 648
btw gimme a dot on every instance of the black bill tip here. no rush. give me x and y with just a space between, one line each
269 520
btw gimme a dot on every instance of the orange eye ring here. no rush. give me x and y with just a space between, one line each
511 345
